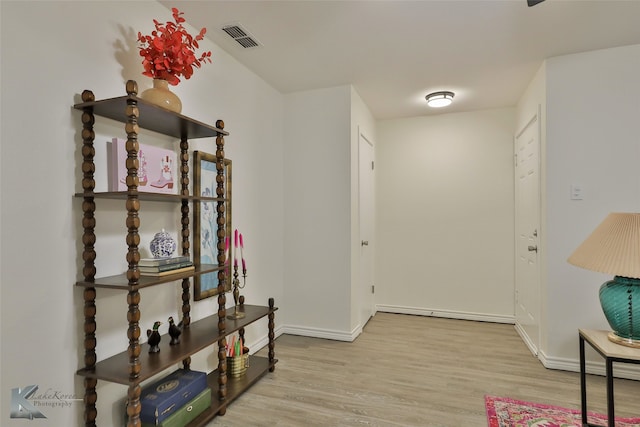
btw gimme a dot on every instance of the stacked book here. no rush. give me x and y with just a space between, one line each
175 400
158 267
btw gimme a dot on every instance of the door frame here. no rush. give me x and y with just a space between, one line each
535 120
365 287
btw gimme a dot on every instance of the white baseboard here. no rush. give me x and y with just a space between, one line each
620 370
527 341
323 333
462 315
263 340
305 331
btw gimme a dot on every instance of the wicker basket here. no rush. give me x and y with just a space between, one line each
237 365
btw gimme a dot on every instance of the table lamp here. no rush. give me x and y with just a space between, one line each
614 248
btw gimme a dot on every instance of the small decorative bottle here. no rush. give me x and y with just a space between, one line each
162 245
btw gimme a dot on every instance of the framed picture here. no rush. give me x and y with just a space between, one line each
157 168
205 227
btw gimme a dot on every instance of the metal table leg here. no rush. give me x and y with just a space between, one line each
610 408
583 383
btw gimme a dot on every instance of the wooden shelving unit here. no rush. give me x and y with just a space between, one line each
120 281
135 365
196 338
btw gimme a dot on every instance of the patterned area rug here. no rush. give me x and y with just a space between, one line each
505 412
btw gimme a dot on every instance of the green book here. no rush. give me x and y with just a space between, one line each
188 412
166 267
155 262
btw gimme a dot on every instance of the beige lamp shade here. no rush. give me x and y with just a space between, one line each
613 247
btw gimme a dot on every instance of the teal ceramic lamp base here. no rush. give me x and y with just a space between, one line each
620 300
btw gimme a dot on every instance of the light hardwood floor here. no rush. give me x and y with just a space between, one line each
411 371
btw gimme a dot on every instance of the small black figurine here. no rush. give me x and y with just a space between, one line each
154 338
174 331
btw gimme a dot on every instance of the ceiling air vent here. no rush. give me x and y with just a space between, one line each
240 35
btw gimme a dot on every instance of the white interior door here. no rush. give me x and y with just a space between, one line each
527 223
366 214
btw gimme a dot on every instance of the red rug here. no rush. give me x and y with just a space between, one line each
505 412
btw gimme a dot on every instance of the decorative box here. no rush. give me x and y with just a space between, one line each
163 398
157 168
188 412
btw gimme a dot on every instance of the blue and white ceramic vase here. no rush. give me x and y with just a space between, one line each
162 245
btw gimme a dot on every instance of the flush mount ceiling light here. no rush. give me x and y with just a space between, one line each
439 99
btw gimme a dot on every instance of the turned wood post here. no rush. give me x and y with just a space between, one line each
222 300
272 335
184 221
241 330
89 257
133 256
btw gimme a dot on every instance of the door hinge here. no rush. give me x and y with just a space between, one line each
373 289
372 165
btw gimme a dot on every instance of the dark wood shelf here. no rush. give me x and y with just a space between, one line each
153 118
143 195
120 281
136 113
258 366
199 335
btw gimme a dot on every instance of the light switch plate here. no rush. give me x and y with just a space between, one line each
576 192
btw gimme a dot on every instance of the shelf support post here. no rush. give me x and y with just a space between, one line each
133 256
222 279
272 335
184 209
89 256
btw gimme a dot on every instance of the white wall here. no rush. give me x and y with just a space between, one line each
444 215
51 51
322 225
593 106
317 233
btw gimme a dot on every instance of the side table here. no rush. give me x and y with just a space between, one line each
611 352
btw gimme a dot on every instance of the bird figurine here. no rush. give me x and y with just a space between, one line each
174 331
154 338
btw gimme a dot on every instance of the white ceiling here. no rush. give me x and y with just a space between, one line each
395 52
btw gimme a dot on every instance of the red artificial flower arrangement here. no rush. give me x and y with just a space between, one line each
169 52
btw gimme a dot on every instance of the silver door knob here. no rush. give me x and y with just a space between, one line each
533 249
364 243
